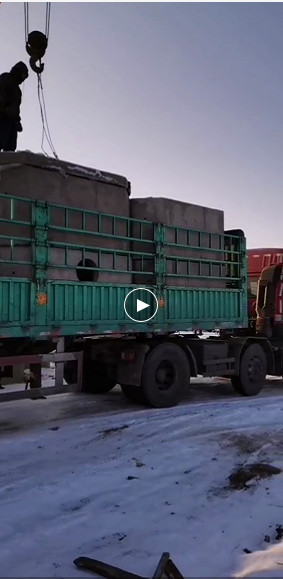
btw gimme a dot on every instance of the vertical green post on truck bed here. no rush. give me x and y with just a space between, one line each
244 277
40 252
160 264
237 258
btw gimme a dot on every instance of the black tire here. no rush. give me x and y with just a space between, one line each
253 369
165 375
134 394
96 379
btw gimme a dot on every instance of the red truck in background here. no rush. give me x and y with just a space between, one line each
259 259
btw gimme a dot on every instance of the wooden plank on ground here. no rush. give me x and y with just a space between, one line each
103 569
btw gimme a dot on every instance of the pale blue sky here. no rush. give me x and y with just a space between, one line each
184 99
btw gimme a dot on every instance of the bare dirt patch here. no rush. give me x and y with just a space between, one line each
239 478
245 444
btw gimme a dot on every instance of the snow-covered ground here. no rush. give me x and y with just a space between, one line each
125 485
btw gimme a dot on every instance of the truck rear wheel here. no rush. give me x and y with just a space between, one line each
253 369
96 379
165 375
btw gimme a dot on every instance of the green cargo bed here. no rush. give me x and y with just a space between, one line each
46 249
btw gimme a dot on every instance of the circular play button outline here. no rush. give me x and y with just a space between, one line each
136 290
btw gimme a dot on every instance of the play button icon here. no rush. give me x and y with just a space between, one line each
141 305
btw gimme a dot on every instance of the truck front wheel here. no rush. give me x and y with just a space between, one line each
165 375
253 369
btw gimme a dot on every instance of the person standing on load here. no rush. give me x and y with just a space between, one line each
10 103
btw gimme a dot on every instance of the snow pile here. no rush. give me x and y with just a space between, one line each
263 561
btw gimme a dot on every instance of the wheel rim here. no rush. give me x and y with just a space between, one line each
165 375
255 369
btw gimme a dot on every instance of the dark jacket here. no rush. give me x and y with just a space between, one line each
10 96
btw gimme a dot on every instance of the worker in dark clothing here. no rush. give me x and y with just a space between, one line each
10 103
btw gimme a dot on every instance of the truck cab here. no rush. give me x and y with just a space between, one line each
258 260
269 304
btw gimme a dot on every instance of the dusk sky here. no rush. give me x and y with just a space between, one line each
184 99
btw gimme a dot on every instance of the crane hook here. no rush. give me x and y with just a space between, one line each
38 69
36 46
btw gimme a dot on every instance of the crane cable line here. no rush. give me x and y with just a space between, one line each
47 19
45 127
36 44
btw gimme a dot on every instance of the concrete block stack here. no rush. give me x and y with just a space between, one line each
175 214
32 176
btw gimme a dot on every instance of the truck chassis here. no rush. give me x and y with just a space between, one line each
157 370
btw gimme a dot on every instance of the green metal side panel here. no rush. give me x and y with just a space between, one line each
73 309
15 300
100 308
93 304
39 306
196 305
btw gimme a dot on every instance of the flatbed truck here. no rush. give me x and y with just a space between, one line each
152 359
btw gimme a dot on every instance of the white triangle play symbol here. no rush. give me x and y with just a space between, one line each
141 305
